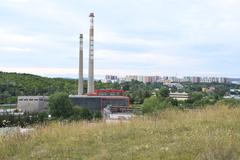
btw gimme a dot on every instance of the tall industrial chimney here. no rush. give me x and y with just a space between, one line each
80 78
91 56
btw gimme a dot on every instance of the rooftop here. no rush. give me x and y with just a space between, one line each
85 96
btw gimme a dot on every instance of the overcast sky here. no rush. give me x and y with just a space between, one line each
137 37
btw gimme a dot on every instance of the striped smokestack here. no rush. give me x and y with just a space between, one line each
91 56
80 80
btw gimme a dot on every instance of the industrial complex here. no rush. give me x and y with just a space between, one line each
92 100
99 99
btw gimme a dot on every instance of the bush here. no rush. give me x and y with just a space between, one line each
60 105
80 113
97 115
10 120
150 104
42 117
163 92
154 104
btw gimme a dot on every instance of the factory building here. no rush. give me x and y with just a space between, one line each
32 103
179 96
100 99
98 103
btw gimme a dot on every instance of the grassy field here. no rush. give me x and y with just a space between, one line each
207 134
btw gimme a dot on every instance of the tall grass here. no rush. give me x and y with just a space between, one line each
206 134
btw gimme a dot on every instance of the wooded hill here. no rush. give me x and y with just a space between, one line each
15 84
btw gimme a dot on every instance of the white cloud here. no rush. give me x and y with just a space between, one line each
169 35
11 40
18 1
8 37
52 11
14 49
121 57
113 38
226 4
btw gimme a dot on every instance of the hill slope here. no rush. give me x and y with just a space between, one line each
15 84
208 134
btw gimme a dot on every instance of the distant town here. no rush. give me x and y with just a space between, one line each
167 79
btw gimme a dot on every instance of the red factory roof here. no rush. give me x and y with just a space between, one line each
106 97
110 90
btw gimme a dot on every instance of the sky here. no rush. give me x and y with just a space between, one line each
132 37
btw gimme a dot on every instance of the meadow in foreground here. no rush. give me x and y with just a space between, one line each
206 134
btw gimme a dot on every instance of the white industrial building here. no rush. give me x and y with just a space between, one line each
32 103
179 96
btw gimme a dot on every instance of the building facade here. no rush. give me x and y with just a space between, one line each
32 103
179 96
98 103
173 79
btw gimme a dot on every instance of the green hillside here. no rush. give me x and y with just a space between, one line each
15 84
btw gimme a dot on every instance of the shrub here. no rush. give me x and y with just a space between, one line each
60 105
163 92
97 115
80 113
154 103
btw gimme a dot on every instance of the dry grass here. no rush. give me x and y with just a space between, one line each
208 134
